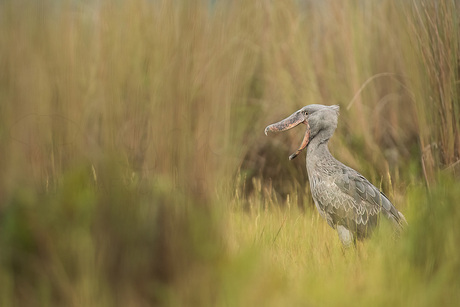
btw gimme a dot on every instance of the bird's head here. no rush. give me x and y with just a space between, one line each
318 118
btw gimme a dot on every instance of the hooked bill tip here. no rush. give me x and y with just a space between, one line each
266 131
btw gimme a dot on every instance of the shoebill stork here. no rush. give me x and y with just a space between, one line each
344 198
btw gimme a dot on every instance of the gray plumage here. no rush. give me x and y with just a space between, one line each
344 198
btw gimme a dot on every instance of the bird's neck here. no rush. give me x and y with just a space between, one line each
317 147
317 153
318 144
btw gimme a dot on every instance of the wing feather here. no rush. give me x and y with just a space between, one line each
367 196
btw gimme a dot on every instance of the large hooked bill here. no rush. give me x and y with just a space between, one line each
292 121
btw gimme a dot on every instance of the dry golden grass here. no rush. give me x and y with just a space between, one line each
135 172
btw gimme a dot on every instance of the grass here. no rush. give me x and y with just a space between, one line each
135 172
299 249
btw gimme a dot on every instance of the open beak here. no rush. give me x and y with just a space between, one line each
292 121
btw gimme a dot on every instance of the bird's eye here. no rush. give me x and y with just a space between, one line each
305 113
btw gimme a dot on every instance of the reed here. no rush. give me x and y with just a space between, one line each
135 170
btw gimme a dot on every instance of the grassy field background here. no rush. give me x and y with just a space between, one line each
135 171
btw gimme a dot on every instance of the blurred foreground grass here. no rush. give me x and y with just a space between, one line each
134 171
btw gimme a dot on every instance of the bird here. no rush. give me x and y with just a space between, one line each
343 197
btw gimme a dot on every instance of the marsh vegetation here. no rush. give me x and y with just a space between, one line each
135 171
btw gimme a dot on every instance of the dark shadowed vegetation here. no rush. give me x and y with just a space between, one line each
135 171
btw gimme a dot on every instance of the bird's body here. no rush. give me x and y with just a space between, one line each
344 198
